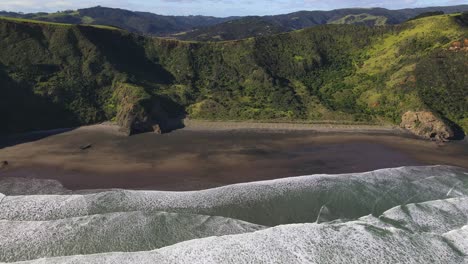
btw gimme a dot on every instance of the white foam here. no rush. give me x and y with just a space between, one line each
427 232
282 201
359 241
459 239
435 216
23 186
129 231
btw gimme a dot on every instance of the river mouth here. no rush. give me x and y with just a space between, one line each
193 160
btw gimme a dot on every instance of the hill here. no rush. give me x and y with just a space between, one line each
267 25
205 28
67 75
138 22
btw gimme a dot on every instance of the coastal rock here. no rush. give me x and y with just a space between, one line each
134 120
3 164
426 125
157 129
137 111
85 147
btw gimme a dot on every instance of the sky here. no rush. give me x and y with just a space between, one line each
220 8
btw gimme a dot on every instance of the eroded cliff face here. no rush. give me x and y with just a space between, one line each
133 113
426 125
137 111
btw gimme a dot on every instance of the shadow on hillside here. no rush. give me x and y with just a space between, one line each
23 110
459 134
8 140
172 124
173 114
127 54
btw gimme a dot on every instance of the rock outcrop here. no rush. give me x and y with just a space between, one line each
140 112
426 125
135 110
133 119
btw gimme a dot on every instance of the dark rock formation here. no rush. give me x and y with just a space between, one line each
426 125
87 146
3 164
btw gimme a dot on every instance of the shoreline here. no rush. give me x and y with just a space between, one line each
214 125
208 125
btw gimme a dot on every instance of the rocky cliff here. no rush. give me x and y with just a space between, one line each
426 125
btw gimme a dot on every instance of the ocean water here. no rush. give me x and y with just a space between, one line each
398 215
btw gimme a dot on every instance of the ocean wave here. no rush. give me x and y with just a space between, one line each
125 231
366 240
283 201
399 215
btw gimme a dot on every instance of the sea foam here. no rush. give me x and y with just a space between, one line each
401 215
124 231
367 240
270 203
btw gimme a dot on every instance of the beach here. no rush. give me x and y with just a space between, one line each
211 154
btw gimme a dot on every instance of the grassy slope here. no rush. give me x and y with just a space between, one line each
388 78
34 21
361 19
337 72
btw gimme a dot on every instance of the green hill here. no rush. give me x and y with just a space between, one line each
361 19
246 27
67 75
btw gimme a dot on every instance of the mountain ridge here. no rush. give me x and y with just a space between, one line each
267 25
207 28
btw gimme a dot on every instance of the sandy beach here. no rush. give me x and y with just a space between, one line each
210 154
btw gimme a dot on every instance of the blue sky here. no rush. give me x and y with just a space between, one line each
216 7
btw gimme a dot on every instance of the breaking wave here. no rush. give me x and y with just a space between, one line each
408 214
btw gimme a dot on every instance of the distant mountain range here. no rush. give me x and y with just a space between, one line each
206 28
138 22
259 26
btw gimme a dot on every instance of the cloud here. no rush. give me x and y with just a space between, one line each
216 7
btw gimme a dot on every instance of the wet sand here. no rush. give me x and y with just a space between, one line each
206 155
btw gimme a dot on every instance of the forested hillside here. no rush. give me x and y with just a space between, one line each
56 75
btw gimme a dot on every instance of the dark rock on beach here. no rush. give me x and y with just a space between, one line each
3 164
426 125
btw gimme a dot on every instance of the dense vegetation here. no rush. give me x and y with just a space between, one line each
62 75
